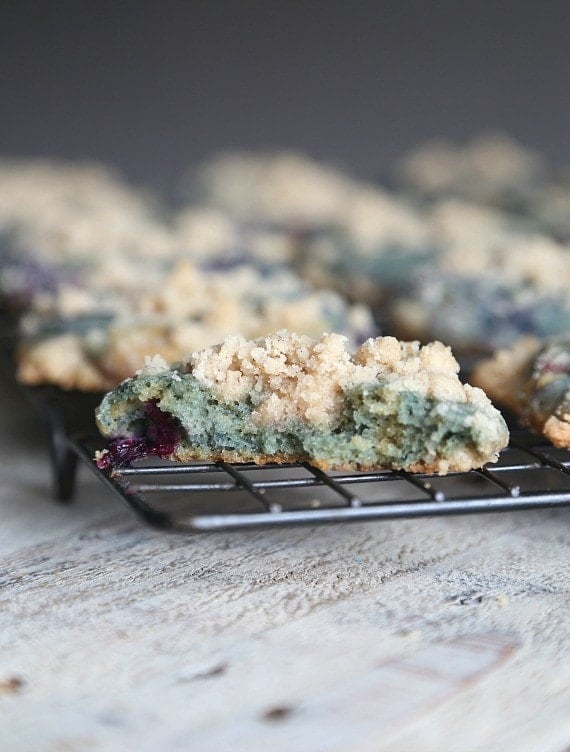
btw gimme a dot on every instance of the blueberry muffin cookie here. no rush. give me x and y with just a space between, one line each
532 379
61 222
188 310
289 398
374 243
492 169
281 190
487 298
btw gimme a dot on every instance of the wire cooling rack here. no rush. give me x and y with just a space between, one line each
199 497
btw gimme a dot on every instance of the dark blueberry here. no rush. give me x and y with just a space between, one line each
123 452
162 432
161 437
522 320
224 264
26 277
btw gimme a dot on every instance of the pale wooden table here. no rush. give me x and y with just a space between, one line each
444 634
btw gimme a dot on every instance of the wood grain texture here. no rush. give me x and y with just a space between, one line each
443 634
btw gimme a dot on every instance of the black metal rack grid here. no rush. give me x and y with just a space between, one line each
198 497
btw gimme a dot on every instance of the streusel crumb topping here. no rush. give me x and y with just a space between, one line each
292 376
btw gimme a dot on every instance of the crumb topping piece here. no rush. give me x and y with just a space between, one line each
153 365
292 376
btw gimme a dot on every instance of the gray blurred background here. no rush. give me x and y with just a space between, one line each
154 86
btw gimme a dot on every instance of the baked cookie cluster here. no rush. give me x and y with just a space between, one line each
101 275
466 243
470 244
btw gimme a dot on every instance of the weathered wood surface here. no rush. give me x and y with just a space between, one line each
444 634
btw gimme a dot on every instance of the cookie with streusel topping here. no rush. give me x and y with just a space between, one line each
188 310
289 398
532 379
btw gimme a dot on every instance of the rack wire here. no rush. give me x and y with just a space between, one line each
530 474
201 496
